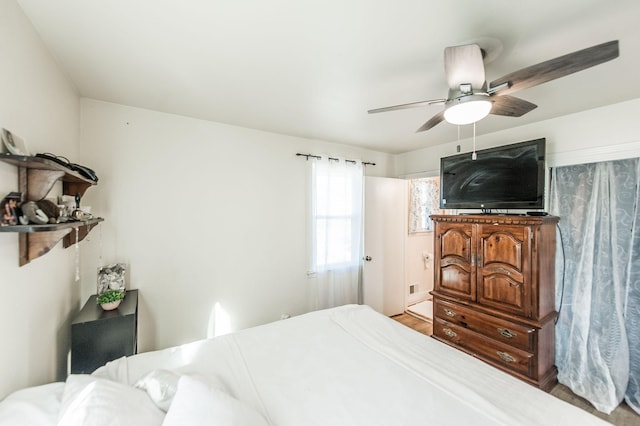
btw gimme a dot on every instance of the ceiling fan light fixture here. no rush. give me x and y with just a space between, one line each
467 109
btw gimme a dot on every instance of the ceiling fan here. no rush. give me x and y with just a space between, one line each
470 99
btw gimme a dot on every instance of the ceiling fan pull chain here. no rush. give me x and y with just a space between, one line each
474 156
77 250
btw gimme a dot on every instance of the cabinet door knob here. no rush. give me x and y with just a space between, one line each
449 313
368 258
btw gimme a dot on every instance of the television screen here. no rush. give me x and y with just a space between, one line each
505 177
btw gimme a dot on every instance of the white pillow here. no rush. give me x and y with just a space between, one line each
89 400
116 370
161 386
195 403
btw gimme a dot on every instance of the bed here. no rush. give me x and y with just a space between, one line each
342 366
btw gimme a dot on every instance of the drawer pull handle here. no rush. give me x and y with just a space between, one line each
505 356
449 313
449 332
506 333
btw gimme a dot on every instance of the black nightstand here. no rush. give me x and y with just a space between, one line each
99 336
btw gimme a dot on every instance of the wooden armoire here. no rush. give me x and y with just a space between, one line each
494 291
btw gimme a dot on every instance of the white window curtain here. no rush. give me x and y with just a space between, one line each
336 230
598 281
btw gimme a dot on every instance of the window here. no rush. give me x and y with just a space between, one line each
336 215
424 201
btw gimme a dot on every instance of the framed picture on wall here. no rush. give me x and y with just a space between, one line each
424 200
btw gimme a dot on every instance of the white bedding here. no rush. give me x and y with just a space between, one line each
343 366
38 405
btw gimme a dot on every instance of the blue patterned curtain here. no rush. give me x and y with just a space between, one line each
598 281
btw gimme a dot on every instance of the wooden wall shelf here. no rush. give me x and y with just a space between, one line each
36 177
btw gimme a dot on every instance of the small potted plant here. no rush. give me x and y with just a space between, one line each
110 299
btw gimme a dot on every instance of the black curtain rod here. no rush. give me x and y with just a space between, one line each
308 155
317 157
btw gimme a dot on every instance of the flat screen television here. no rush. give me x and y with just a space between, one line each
505 177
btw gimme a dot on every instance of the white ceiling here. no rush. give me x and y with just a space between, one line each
314 68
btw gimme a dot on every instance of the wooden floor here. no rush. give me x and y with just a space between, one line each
621 416
413 321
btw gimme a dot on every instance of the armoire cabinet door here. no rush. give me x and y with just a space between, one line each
503 268
454 251
494 291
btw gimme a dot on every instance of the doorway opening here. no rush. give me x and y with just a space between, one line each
422 310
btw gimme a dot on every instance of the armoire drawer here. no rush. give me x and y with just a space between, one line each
505 356
509 333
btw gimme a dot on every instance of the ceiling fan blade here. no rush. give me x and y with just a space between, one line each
433 121
558 67
464 64
409 105
511 106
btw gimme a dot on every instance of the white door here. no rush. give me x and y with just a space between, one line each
385 227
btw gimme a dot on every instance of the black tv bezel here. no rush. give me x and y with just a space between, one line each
515 205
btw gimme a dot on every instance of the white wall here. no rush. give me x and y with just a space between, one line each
204 213
38 104
418 271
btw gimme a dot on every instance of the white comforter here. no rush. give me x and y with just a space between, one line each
343 366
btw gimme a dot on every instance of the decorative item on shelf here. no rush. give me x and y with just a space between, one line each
49 208
38 212
110 299
13 144
80 214
10 209
31 213
66 207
